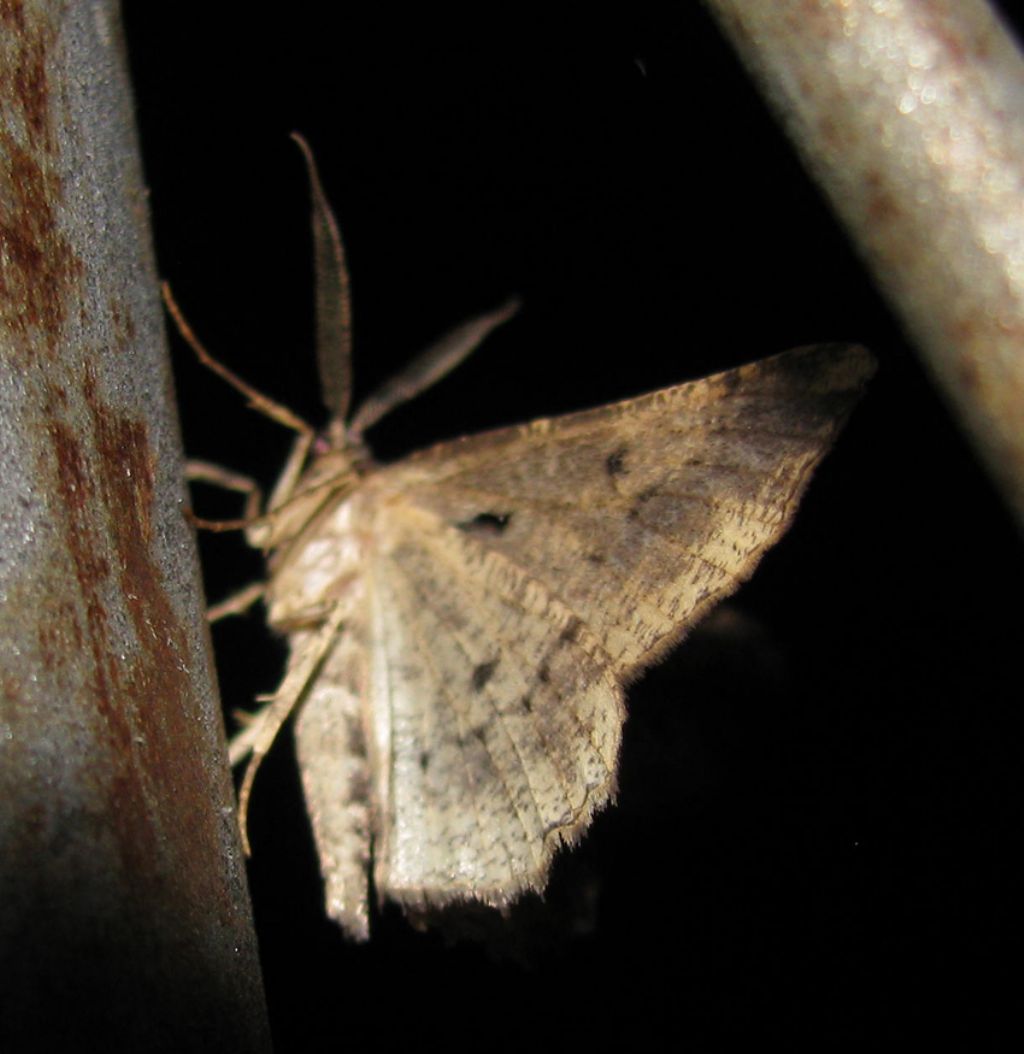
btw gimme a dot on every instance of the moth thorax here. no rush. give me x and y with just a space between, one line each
321 569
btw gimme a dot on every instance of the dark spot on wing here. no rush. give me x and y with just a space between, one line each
527 704
424 760
543 673
615 462
571 631
486 523
595 558
482 674
355 738
641 500
358 787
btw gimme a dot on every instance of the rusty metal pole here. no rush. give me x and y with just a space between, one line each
910 115
124 916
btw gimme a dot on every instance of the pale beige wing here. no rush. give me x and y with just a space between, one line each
331 745
639 516
496 719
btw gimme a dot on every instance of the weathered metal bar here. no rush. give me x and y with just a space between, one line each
124 917
910 114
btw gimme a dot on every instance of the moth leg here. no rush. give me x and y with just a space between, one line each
256 738
205 472
285 486
429 367
257 400
236 604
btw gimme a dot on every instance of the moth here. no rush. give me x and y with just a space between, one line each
462 623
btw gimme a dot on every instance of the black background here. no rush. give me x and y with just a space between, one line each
817 835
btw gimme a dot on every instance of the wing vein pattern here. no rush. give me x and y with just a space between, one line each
502 589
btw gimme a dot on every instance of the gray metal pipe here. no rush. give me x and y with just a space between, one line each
124 916
910 115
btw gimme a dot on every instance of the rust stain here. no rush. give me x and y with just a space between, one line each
59 628
12 15
881 207
32 89
123 324
39 266
967 373
141 694
157 683
962 39
11 689
829 132
40 269
82 503
24 82
963 330
92 570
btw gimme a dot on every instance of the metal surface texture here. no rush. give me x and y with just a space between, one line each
910 114
124 918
